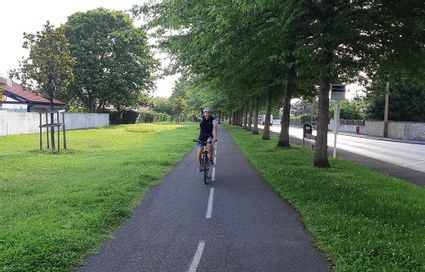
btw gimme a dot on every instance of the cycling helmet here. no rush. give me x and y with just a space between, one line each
207 110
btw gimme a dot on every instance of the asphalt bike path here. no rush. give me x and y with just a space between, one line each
236 223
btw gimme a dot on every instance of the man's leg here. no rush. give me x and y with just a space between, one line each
198 157
198 154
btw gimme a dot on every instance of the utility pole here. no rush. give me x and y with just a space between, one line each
336 128
387 102
337 94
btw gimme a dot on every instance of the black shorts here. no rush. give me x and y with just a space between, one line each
202 139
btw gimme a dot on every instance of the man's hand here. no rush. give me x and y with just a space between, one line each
215 140
194 117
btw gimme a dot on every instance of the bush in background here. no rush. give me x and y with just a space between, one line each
134 117
149 116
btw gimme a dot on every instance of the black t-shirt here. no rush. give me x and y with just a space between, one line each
207 126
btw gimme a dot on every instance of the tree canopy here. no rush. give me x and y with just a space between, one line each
406 102
114 64
236 53
48 68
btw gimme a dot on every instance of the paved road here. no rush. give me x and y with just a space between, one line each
407 155
250 228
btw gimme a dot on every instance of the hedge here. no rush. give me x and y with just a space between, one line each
133 117
153 116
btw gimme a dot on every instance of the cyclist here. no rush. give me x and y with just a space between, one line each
208 133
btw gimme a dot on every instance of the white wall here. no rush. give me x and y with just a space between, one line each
12 123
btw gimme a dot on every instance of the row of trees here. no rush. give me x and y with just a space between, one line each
97 59
242 55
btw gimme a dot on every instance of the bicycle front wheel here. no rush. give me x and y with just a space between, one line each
206 168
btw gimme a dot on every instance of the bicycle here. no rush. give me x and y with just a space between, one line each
205 161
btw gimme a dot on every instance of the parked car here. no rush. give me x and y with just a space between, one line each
262 120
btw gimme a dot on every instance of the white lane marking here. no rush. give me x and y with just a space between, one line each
215 153
213 174
210 203
197 257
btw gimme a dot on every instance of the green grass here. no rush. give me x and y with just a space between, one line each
56 208
362 219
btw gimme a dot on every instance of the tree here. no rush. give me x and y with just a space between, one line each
242 49
48 68
162 104
407 102
346 37
178 105
114 64
351 110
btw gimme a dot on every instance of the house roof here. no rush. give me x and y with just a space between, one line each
26 94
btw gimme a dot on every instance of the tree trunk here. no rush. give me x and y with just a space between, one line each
121 113
286 115
245 119
266 131
230 119
321 148
52 129
257 109
240 118
251 106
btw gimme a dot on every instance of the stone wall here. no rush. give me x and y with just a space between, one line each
397 130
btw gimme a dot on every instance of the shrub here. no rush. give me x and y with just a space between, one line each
133 117
148 116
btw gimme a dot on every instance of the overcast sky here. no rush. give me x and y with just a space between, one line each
18 16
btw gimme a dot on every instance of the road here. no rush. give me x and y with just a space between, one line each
407 155
237 223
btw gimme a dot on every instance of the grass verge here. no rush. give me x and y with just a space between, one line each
362 219
56 208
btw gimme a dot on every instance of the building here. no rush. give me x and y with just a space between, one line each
14 97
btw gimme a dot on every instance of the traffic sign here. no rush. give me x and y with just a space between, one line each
337 92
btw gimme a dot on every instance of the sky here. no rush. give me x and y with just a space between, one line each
19 16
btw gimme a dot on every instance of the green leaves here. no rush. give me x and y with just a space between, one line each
114 63
233 51
48 69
